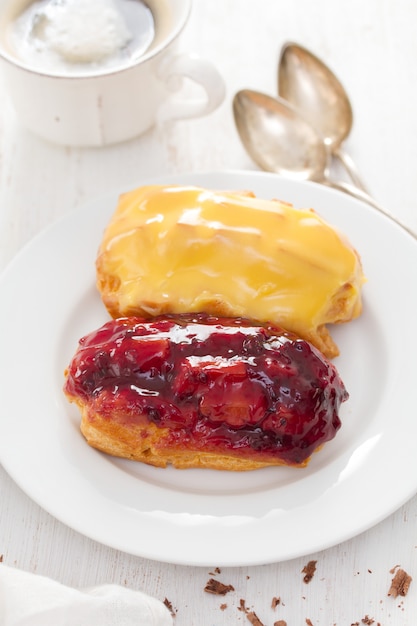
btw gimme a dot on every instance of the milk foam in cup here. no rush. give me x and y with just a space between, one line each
79 36
96 72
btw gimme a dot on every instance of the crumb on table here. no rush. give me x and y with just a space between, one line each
217 588
400 584
308 571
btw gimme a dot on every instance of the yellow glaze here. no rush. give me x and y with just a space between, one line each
171 249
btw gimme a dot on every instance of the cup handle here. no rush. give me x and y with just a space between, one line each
172 70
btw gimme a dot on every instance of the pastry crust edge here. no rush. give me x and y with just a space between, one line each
139 442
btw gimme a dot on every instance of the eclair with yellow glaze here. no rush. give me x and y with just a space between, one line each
176 249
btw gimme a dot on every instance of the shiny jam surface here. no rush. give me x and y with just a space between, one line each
218 384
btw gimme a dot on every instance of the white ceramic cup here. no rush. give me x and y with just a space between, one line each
111 106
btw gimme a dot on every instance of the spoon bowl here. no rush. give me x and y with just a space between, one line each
277 138
313 89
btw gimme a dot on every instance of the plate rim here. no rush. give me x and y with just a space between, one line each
317 543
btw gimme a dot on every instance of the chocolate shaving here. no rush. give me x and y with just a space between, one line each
217 588
309 622
275 602
254 619
168 604
251 615
309 570
367 620
400 584
280 622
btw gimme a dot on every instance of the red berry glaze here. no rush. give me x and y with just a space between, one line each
224 385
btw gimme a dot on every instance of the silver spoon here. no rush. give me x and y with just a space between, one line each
277 138
280 140
312 88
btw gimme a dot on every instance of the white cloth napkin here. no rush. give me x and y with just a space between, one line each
31 600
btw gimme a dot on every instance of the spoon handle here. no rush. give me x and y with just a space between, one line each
361 195
350 168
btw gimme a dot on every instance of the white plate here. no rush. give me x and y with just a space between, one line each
203 517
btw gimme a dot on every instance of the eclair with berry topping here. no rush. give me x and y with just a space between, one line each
198 391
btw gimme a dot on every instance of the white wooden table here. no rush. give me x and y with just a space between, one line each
371 45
